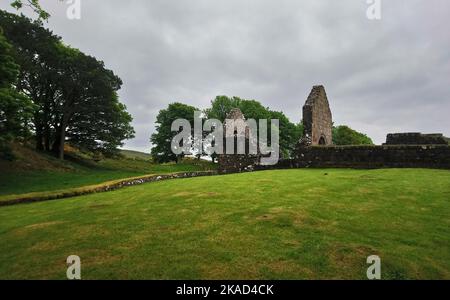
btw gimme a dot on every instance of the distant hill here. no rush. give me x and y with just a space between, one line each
135 154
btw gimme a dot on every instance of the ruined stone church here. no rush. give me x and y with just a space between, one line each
316 149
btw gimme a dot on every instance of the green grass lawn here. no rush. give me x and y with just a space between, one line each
286 224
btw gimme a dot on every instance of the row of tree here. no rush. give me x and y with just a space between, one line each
56 93
290 133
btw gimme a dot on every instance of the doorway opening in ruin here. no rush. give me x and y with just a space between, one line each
322 141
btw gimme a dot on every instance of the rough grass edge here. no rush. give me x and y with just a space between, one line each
103 187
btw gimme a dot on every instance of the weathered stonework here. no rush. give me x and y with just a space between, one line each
402 150
236 163
317 119
367 156
415 138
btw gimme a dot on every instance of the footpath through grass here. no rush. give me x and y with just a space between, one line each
286 224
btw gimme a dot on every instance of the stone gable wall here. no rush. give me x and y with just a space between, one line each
236 163
317 118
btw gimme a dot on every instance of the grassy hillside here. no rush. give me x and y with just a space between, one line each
282 224
39 172
136 154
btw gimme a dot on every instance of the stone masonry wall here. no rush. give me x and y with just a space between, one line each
399 156
236 163
317 118
415 138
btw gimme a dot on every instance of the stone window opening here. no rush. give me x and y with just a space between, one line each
322 141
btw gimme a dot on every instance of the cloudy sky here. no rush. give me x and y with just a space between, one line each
391 75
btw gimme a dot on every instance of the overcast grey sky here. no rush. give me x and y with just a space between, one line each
391 75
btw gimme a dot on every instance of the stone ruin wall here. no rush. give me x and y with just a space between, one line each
236 163
367 156
415 138
317 118
403 150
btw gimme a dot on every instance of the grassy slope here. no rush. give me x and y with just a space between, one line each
22 182
136 154
274 224
37 172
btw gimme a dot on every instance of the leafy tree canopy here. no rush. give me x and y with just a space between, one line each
34 5
15 108
290 133
75 94
163 135
344 135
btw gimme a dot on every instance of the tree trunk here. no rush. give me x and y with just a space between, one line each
46 122
39 132
60 138
55 146
39 137
39 145
47 138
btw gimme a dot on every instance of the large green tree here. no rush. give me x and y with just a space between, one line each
221 106
162 138
290 133
88 113
15 108
344 135
37 53
75 94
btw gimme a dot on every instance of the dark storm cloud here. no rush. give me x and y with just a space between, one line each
381 76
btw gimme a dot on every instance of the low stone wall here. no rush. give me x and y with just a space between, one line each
415 138
236 163
398 156
105 187
368 157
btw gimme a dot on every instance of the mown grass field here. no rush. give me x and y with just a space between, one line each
286 224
